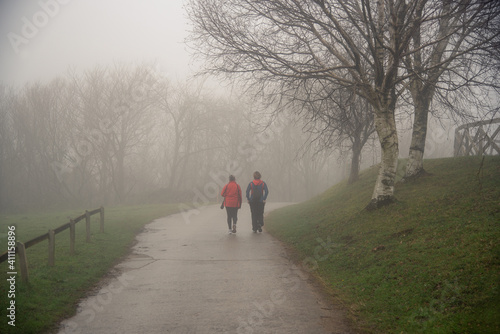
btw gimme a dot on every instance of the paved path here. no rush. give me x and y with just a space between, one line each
194 278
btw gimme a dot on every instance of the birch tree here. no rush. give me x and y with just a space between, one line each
354 44
452 38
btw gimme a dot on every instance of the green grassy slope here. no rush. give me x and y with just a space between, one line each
428 263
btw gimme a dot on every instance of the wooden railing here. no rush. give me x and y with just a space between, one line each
50 235
472 139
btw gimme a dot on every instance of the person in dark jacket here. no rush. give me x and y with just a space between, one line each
256 195
232 201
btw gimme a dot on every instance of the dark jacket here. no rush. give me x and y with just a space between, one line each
250 189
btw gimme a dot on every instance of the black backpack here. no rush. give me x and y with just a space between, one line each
257 192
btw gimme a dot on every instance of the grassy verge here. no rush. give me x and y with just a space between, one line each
52 292
428 263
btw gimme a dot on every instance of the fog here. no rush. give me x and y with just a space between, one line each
42 39
100 106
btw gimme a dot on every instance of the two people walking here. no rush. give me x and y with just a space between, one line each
256 195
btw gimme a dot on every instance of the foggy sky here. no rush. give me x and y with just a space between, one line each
42 39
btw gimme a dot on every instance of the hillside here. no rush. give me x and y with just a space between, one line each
428 263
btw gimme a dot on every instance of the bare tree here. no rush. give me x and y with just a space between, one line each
7 147
449 40
185 123
133 120
340 120
355 44
113 113
32 138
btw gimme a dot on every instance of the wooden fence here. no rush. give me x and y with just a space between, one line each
473 139
50 235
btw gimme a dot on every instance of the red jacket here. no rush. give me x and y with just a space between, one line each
232 194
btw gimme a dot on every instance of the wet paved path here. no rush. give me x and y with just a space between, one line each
194 278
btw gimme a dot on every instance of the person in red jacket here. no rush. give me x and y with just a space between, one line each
232 201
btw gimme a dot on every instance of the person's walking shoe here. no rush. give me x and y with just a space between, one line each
234 228
230 232
260 229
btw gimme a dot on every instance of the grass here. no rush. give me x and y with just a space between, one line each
429 263
53 292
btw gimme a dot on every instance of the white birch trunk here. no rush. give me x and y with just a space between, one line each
383 192
415 164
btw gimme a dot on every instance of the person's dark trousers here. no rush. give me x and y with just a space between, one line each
232 216
257 210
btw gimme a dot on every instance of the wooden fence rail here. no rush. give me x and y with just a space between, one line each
50 236
473 139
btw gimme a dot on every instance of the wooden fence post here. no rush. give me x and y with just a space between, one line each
102 220
23 261
72 237
87 223
52 248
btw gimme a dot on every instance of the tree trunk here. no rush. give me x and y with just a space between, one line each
120 176
383 193
415 165
356 157
422 88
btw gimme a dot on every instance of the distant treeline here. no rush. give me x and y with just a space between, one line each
126 135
